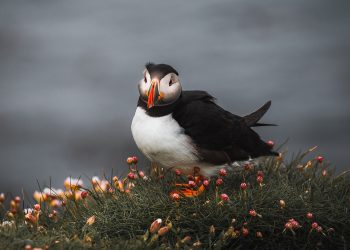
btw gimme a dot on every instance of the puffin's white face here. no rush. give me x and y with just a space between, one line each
159 92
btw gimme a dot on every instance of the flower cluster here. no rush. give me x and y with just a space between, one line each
156 231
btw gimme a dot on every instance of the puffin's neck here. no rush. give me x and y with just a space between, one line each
158 111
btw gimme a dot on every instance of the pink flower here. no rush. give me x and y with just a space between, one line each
224 197
219 182
260 179
131 176
243 186
135 159
288 225
309 216
252 212
84 194
37 207
222 172
319 159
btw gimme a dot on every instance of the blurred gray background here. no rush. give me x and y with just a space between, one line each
69 71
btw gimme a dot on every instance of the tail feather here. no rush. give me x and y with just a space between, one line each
252 119
258 124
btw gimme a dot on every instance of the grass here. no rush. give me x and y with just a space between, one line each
271 213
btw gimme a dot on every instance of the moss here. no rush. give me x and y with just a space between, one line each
122 219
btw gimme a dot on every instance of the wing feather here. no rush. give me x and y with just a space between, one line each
221 137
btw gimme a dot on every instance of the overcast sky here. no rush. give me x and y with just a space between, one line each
69 73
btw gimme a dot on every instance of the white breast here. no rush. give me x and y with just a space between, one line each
162 140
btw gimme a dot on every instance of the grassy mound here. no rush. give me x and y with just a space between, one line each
301 204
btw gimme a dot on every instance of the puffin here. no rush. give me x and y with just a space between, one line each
187 130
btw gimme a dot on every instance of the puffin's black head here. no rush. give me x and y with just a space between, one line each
160 85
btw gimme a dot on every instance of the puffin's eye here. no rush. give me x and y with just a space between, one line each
171 82
145 79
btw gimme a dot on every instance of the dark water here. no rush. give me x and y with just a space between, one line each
69 69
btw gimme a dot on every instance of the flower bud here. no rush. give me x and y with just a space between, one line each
13 205
186 240
309 216
224 197
162 231
219 182
155 226
295 224
282 204
57 203
141 174
91 220
206 183
2 197
135 159
222 172
243 186
252 212
319 159
130 160
288 225
178 172
197 244
39 197
131 176
10 215
175 196
212 230
84 194
245 231
17 199
36 207
96 180
259 179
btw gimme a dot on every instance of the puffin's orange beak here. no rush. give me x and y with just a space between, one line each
153 93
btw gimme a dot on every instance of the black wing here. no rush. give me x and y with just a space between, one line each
220 137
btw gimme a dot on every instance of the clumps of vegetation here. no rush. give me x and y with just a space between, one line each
267 204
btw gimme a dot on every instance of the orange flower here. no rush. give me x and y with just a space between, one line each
162 231
39 197
91 220
73 183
